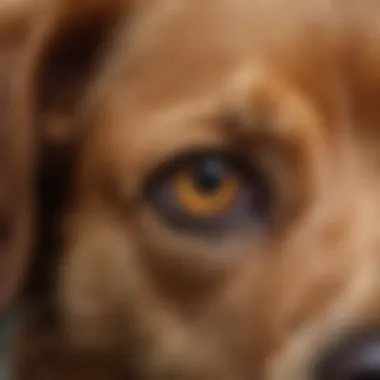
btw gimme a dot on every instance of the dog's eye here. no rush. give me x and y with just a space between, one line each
206 188
209 192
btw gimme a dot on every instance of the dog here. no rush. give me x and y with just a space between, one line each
220 204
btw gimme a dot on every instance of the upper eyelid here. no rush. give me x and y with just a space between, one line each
197 133
169 163
178 151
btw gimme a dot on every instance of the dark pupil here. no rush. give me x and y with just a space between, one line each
208 174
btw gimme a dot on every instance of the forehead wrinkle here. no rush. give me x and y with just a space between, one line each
260 102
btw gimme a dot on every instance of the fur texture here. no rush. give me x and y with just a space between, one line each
16 158
115 88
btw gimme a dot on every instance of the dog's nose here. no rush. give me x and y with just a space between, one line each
354 358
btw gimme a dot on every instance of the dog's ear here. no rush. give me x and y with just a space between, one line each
68 45
16 204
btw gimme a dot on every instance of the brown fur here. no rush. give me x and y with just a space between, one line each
137 83
15 159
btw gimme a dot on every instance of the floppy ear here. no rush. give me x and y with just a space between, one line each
15 195
66 44
66 50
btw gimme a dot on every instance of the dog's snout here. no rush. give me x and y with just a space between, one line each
354 358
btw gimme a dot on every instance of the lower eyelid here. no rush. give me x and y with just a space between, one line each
237 214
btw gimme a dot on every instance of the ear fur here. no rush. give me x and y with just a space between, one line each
66 49
16 205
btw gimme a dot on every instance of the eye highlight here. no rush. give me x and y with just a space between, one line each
211 191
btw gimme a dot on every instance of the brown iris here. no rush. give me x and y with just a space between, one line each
206 189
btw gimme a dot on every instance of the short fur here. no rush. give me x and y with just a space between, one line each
118 86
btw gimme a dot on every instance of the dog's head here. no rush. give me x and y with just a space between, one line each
223 211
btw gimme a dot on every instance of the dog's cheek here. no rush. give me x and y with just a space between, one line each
97 274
